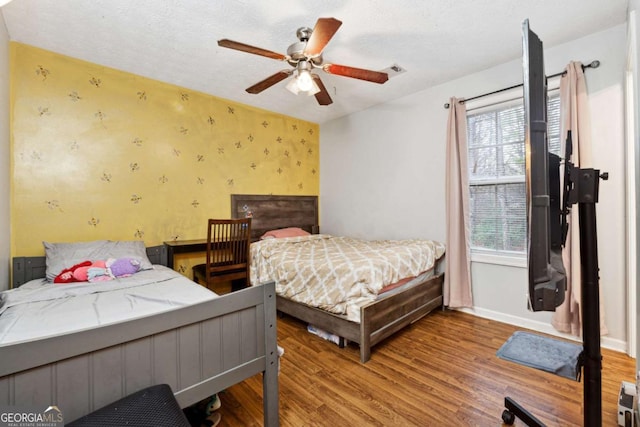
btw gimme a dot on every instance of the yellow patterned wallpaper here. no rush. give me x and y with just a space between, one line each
99 153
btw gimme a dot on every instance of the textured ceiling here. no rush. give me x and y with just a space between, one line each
175 40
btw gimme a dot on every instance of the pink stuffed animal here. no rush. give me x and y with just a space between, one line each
79 272
82 274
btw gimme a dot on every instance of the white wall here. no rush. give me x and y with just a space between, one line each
634 69
383 175
5 229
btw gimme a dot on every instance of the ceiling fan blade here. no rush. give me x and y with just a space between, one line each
322 97
356 73
269 81
323 32
250 49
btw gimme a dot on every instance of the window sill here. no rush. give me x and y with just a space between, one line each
507 260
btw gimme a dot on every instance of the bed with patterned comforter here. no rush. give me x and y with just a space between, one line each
339 274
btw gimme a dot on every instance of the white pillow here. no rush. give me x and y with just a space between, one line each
64 255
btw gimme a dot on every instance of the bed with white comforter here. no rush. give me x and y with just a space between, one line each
83 345
41 309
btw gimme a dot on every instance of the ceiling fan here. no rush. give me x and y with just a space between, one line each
306 56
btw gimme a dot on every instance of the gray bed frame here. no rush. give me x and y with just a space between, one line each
378 320
197 350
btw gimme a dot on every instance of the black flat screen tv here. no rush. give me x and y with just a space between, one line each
547 278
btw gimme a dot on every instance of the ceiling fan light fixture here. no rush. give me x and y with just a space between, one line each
292 86
304 80
303 83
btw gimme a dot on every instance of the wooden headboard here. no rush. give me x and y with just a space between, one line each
271 212
34 267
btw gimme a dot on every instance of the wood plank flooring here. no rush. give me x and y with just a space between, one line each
441 371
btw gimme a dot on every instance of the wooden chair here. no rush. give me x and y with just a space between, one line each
227 252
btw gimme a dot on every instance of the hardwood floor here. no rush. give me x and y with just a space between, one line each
441 371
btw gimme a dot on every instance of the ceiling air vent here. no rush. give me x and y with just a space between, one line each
394 70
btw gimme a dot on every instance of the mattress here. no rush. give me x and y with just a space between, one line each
339 274
40 309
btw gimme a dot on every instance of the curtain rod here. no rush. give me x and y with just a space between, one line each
593 64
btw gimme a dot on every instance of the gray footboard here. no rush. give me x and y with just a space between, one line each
198 350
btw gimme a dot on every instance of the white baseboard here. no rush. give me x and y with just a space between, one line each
605 342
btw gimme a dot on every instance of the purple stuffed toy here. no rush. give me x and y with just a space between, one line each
123 267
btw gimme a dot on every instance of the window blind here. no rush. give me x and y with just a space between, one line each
496 158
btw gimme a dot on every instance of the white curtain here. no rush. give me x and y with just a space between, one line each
457 276
574 116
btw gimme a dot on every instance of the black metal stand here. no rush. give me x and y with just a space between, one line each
513 410
588 183
585 193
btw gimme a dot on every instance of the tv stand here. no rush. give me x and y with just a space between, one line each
583 190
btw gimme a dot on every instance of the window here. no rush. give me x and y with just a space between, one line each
495 137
